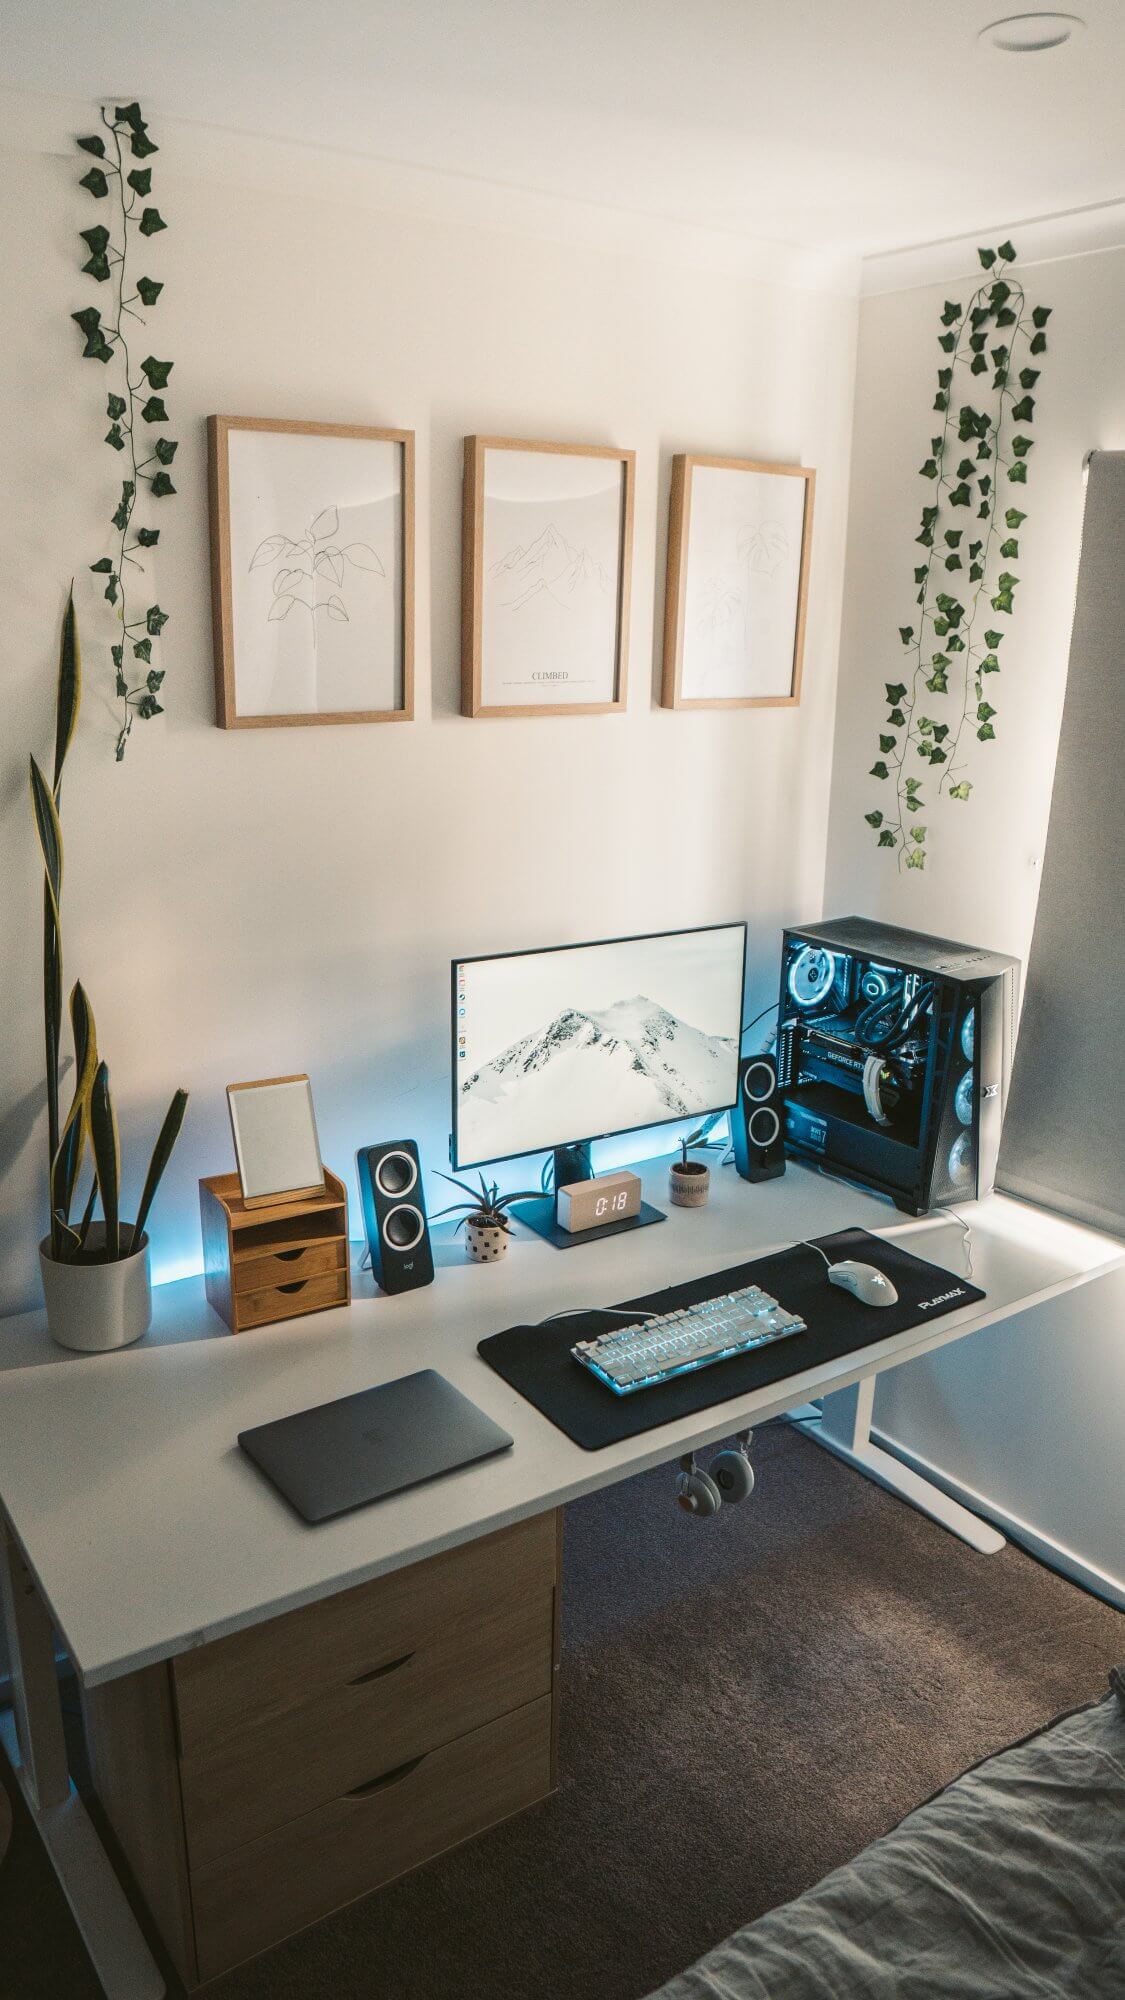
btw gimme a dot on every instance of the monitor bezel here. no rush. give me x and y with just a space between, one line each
615 1131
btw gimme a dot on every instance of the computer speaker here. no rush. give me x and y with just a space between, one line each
394 1215
755 1122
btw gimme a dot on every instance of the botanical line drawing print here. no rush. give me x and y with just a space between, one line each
549 566
303 567
761 550
764 546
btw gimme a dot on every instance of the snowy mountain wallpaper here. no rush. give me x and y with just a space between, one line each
552 554
562 1045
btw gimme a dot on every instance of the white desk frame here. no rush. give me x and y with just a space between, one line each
132 1524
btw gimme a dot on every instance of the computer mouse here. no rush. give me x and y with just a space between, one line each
864 1283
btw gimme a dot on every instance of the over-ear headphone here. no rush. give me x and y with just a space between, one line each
729 1478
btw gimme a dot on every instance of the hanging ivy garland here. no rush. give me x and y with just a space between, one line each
978 489
107 340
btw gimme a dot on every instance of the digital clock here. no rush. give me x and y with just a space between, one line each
593 1204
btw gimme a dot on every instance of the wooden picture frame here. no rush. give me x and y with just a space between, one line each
574 586
332 570
736 596
282 1129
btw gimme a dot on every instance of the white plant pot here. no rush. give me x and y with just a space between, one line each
95 1307
486 1241
690 1185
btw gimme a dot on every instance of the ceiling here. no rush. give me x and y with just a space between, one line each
866 126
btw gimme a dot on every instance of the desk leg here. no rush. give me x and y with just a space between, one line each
33 1740
845 1430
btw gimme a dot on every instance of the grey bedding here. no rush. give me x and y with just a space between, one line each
1009 1885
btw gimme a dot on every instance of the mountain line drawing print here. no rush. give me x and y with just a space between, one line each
551 564
634 1059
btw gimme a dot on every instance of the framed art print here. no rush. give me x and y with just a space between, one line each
546 561
739 539
312 572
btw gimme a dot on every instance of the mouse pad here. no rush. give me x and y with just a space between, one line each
537 1360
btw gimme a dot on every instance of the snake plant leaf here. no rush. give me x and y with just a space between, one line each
161 1153
88 1214
67 1163
50 834
64 1238
68 692
107 1158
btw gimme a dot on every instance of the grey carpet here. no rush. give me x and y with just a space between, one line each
746 1703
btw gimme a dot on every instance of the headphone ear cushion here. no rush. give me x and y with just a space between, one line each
733 1474
698 1494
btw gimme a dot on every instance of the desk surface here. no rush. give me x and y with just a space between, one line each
150 1532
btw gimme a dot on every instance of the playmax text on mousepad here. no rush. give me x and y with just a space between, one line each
538 1362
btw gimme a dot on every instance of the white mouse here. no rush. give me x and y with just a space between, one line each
864 1283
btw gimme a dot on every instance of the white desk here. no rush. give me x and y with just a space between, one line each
136 1521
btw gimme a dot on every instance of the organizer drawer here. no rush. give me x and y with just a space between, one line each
476 1669
258 1270
295 1295
228 1687
402 1815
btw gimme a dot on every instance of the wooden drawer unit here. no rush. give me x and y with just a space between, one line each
271 1262
354 1843
258 1782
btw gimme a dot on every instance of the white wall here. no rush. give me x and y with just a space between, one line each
1031 1415
248 904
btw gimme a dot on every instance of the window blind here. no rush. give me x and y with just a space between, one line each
1064 1131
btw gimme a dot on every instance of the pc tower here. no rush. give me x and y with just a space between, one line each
894 1052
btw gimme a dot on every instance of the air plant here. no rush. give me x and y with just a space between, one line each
488 1208
90 1121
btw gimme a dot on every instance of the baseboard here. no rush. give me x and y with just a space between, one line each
1053 1554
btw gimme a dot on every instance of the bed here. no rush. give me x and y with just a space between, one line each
1007 1885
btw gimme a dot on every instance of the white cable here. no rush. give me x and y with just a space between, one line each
966 1238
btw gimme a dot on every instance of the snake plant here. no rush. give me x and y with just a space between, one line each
90 1122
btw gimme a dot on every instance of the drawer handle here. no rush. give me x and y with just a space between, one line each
388 1778
377 1673
298 1285
288 1256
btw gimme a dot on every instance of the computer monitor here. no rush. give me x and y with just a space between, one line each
558 1047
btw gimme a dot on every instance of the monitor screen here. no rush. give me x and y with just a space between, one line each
554 1047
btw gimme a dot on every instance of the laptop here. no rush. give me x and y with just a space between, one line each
343 1454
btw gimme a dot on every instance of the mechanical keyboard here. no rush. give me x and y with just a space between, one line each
655 1349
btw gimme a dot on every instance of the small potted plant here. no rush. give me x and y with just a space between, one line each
486 1221
95 1272
689 1181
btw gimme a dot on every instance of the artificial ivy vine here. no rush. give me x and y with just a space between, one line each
997 331
107 340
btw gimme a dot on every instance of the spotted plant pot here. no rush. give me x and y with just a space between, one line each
486 1240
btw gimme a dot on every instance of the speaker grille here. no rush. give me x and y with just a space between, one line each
395 1173
403 1226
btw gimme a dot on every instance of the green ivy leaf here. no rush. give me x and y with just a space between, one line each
151 220
955 643
960 791
916 858
951 313
918 833
113 437
1007 251
906 634
154 619
941 731
89 319
1037 344
979 365
978 316
953 562
1010 548
886 838
1028 377
97 267
102 567
96 182
154 679
129 114
165 450
976 571
945 377
989 665
1006 317
874 818
149 290
985 712
921 574
946 341
925 725
141 146
147 538
161 486
878 770
941 627
987 258
115 407
914 806
1041 315
895 691
976 342
121 517
110 592
1023 412
887 744
984 449
1018 474
117 654
953 536
938 683
1013 518
97 238
966 469
898 718
122 686
1021 446
960 496
941 400
92 144
938 756
140 180
154 411
929 469
156 372
986 733
142 650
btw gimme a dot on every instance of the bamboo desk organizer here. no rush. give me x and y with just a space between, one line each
272 1262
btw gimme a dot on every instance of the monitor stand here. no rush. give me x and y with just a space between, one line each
573 1163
